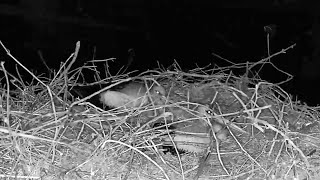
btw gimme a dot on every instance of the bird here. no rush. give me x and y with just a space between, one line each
217 122
217 127
132 95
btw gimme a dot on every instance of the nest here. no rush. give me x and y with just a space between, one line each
48 133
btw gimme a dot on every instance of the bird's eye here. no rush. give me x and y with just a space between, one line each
159 90
209 111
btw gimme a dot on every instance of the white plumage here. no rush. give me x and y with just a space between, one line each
132 95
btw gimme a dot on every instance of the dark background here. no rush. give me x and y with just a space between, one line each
165 30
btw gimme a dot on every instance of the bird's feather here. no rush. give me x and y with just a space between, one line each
132 95
118 99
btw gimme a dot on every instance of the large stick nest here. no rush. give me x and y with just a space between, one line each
47 132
